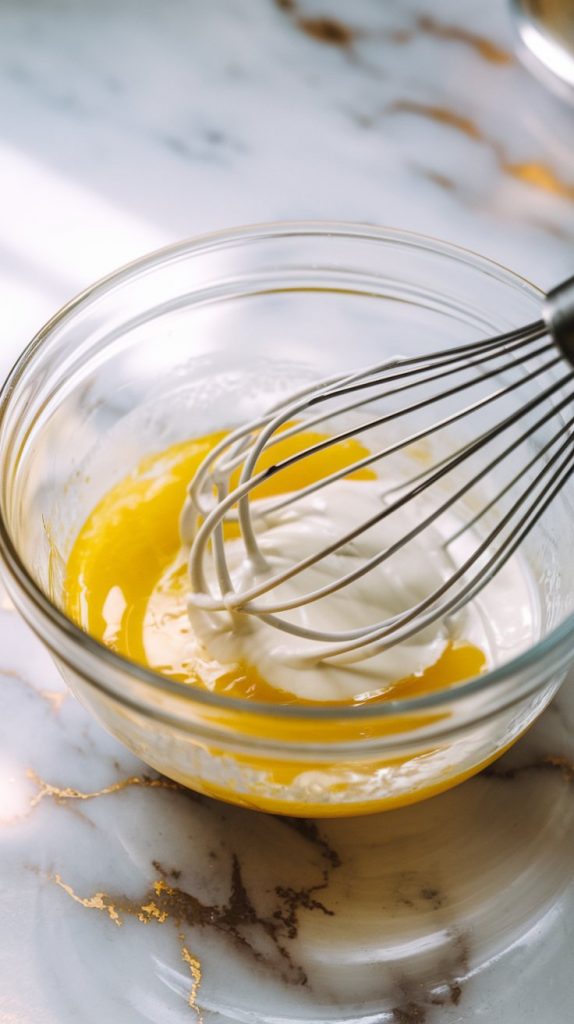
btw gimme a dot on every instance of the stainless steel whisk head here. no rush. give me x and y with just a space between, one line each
522 458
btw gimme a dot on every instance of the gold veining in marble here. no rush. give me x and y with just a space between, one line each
539 175
99 901
146 912
264 936
151 912
195 969
62 793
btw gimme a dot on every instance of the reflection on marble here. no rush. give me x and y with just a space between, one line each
128 125
138 900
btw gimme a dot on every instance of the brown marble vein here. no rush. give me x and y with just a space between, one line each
334 32
322 28
309 831
550 763
484 47
293 900
442 180
237 919
172 873
534 173
439 114
327 30
417 999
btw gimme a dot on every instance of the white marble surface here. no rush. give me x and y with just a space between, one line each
126 125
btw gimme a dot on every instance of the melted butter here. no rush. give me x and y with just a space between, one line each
127 577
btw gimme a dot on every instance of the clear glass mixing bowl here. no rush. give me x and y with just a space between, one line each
193 339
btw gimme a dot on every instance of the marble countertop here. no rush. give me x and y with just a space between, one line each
128 125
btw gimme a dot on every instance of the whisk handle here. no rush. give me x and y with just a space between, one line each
558 313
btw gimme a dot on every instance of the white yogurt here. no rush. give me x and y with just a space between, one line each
502 621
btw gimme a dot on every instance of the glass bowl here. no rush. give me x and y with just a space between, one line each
195 338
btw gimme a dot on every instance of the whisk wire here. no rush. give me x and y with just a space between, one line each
239 494
245 599
532 333
401 627
519 357
243 504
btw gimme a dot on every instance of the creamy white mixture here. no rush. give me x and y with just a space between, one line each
502 621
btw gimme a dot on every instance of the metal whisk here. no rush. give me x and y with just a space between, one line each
531 445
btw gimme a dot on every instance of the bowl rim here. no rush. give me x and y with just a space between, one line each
23 581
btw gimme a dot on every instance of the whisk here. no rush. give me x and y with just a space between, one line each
532 445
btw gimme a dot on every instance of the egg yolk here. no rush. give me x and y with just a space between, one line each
127 576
